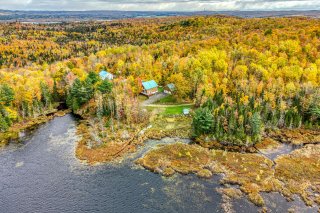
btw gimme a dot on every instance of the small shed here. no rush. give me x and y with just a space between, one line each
169 88
186 111
149 87
105 75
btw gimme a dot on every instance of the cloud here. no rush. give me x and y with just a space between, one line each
164 5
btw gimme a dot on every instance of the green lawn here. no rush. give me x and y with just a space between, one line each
160 89
175 110
169 110
167 100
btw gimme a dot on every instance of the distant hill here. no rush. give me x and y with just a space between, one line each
59 16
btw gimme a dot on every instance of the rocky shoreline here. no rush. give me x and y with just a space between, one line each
289 174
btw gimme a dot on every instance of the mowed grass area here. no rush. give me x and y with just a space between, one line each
167 100
175 110
169 110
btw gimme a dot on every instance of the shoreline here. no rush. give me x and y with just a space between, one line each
254 173
269 168
17 130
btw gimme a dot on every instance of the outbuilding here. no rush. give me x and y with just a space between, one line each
106 75
169 88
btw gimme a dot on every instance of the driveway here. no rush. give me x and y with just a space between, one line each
154 98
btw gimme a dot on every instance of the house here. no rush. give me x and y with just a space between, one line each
105 75
149 87
170 88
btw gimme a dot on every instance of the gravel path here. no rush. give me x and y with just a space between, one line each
154 99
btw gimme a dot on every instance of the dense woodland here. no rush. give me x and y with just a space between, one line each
245 75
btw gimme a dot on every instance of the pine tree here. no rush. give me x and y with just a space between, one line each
55 94
105 87
45 95
6 95
3 123
202 121
256 127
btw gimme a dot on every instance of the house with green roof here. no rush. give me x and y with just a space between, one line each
169 88
149 87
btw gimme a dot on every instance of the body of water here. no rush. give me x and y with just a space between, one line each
43 175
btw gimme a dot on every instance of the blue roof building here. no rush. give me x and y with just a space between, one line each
149 87
149 84
105 75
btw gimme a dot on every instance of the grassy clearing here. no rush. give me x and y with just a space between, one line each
169 110
167 100
170 127
175 110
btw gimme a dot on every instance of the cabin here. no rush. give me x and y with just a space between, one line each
169 89
106 75
149 87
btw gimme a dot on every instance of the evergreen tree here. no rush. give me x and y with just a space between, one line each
3 123
79 94
45 94
55 94
93 77
202 121
105 87
6 95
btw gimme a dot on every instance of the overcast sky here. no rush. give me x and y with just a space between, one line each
164 5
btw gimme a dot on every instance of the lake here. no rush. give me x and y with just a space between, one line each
41 174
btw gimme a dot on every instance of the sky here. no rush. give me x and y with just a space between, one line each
160 5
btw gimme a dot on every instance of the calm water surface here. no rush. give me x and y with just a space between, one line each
43 175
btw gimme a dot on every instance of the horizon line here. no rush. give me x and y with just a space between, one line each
177 11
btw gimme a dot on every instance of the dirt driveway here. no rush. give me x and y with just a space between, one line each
154 99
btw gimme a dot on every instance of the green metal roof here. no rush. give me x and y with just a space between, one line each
171 86
149 84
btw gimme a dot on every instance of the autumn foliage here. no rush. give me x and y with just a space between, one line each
249 73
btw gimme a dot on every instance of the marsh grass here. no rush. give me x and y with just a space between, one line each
296 173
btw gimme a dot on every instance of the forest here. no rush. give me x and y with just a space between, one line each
244 76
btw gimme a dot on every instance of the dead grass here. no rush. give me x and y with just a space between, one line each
170 127
254 173
296 136
267 145
112 146
232 193
300 172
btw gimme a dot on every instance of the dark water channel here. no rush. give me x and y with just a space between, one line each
42 175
